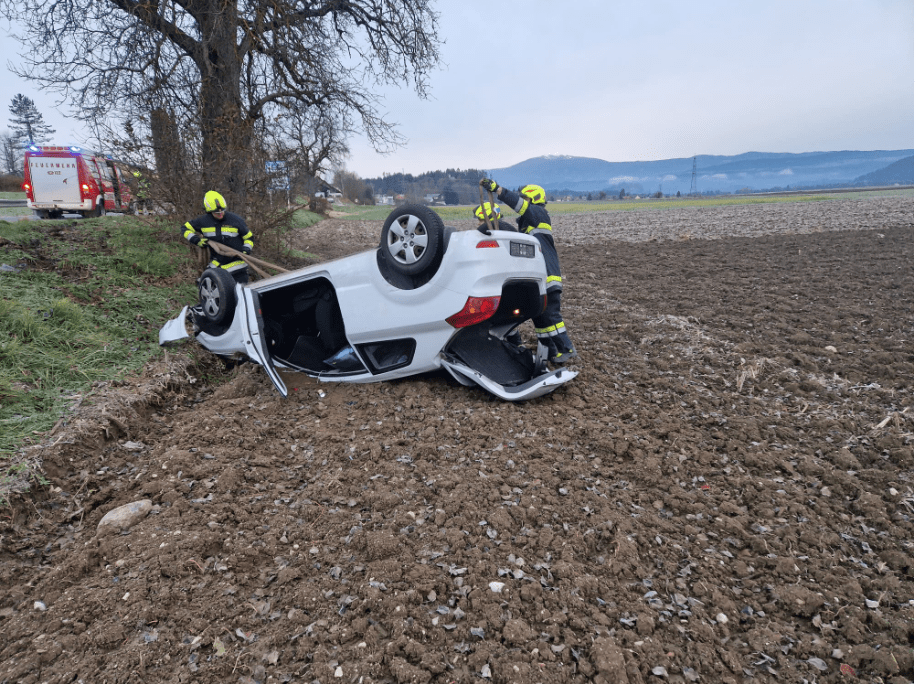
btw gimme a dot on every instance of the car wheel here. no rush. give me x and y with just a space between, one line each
217 294
412 239
42 213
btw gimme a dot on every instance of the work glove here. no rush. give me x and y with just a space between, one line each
202 242
483 229
247 249
489 184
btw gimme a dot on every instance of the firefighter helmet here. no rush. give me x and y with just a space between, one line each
534 194
213 201
492 214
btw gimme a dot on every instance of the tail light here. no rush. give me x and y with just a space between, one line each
487 243
26 187
85 187
475 310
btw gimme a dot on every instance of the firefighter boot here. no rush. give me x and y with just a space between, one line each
548 344
565 349
515 338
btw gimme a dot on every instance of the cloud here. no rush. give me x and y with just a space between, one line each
786 172
623 179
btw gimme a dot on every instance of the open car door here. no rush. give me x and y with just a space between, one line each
244 336
253 332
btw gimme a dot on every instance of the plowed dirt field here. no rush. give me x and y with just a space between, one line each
724 493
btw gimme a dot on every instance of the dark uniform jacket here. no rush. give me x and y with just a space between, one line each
232 231
535 220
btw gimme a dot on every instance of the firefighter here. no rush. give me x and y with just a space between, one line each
142 193
224 227
529 202
494 215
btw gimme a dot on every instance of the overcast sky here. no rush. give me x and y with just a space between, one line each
638 81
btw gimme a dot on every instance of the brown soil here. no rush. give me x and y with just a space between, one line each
724 494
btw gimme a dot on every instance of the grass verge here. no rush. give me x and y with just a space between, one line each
81 302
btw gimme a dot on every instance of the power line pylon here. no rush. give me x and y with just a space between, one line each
693 178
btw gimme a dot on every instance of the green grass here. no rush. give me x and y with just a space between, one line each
304 219
8 212
84 306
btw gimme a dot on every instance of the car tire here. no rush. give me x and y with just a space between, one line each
42 213
412 239
216 290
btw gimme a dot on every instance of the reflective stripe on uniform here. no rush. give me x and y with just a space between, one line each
551 331
231 266
521 206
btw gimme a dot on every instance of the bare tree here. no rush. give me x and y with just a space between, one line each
352 186
215 71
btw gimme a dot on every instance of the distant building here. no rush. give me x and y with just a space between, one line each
318 188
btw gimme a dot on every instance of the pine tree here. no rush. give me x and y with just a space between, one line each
27 122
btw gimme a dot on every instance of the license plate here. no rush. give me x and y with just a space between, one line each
521 249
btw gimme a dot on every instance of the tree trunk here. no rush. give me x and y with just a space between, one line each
225 130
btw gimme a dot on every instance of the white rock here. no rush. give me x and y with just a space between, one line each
497 587
721 618
338 672
40 605
126 516
830 348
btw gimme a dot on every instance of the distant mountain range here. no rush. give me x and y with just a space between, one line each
752 171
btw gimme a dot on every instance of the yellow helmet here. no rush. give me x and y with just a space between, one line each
213 201
492 214
534 194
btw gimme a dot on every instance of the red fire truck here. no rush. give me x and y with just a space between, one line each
61 180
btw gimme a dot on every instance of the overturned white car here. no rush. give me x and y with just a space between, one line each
429 297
